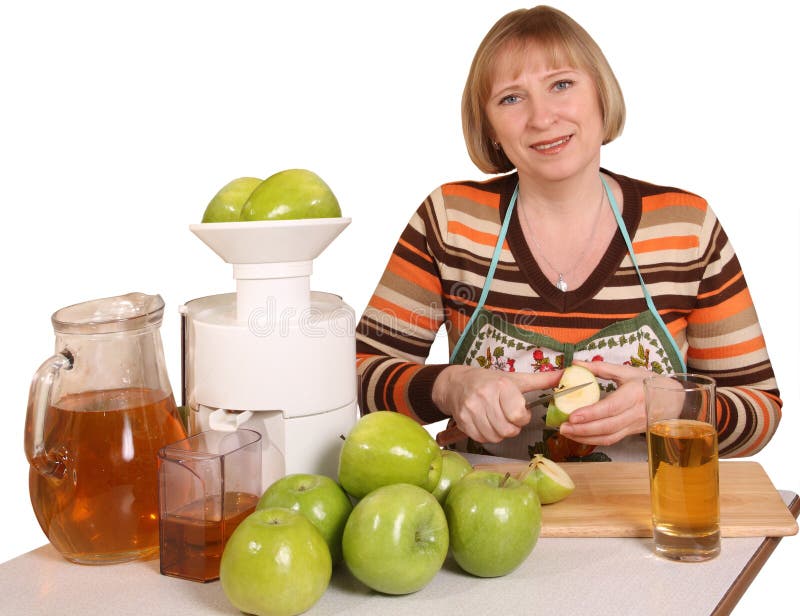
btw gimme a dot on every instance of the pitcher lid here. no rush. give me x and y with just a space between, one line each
110 314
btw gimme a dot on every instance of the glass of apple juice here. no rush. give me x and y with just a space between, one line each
208 484
683 460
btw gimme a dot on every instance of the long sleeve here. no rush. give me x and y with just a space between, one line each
400 323
725 342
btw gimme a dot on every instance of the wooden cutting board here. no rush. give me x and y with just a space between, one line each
612 499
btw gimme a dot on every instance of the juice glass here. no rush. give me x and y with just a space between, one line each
683 461
208 484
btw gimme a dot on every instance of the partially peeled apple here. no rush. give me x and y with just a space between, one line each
559 410
551 481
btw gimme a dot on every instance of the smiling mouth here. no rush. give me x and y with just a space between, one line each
551 145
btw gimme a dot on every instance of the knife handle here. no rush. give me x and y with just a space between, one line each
450 435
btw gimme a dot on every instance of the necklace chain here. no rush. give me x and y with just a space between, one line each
561 283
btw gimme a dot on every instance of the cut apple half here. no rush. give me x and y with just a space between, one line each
559 410
551 481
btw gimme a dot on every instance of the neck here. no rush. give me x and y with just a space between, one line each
558 214
563 198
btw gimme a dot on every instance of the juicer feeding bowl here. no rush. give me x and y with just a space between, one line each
270 241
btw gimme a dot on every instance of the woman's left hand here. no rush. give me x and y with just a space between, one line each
615 416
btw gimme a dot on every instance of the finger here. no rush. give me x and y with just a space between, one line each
508 401
476 430
603 439
610 423
481 420
493 431
595 428
505 430
527 381
512 408
628 395
608 429
605 407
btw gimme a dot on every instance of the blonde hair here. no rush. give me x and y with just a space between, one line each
564 39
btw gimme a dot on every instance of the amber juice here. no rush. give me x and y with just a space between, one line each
684 488
99 502
194 536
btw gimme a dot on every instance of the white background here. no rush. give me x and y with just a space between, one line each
119 121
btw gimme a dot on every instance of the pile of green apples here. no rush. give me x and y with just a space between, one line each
286 195
400 505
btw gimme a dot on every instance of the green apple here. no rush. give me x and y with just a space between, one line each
276 563
396 540
494 522
319 498
559 410
454 467
291 194
385 447
551 481
226 206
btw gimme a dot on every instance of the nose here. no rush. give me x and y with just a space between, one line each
541 115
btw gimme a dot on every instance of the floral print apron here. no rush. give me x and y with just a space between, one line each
494 344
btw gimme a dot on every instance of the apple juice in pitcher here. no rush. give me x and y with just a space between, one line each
110 440
99 410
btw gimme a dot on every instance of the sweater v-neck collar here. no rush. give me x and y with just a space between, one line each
572 299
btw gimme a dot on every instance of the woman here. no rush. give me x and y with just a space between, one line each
559 262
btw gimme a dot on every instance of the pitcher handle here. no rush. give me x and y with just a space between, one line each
38 401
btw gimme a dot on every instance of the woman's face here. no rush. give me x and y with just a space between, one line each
546 118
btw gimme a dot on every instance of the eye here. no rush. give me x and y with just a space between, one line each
509 99
562 84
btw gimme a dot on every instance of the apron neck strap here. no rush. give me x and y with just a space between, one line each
647 298
501 237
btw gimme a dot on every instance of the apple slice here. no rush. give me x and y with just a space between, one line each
559 410
551 481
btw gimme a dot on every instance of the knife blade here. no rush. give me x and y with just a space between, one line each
537 397
453 433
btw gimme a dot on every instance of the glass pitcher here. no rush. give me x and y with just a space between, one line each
99 410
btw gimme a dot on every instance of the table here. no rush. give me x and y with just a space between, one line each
597 576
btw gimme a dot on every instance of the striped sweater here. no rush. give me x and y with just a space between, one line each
438 268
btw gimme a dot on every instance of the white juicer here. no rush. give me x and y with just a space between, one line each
275 356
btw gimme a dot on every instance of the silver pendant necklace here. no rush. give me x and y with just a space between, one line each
561 283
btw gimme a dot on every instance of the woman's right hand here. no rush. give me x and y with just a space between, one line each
488 405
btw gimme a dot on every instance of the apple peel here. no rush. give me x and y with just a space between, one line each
551 481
